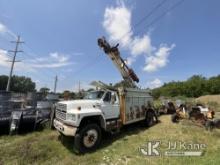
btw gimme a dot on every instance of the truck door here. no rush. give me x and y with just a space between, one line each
110 105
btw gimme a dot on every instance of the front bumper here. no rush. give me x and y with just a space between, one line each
65 129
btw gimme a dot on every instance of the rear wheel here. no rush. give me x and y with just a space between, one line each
88 138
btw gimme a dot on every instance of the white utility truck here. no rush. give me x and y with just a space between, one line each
104 109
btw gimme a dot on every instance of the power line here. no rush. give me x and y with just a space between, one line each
31 56
43 76
150 13
46 73
34 56
144 18
86 66
163 14
137 24
14 60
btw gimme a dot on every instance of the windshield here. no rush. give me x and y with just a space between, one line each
94 95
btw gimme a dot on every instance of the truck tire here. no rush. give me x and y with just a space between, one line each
174 118
88 138
149 118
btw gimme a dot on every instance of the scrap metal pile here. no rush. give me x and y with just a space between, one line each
199 115
21 113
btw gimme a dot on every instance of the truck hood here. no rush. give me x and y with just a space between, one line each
84 104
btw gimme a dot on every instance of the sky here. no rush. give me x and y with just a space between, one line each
161 40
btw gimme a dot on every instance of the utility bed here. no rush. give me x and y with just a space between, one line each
133 103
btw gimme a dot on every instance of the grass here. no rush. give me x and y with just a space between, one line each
46 148
209 98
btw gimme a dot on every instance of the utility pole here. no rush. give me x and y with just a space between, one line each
55 84
13 61
79 87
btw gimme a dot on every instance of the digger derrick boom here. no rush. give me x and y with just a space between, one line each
114 54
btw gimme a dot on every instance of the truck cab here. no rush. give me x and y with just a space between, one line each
99 103
85 119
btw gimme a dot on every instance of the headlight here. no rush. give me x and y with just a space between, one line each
71 117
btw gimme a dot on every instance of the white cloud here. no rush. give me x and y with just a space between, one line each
59 57
54 60
3 58
129 60
159 60
37 81
50 65
117 24
3 28
141 45
155 83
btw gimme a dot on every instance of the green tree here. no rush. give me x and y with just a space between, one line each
195 86
213 85
18 84
3 82
44 90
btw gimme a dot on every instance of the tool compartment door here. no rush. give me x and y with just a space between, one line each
135 102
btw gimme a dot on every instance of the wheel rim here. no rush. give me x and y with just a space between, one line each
90 138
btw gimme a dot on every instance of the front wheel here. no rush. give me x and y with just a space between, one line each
88 138
150 118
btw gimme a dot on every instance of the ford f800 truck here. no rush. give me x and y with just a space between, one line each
106 109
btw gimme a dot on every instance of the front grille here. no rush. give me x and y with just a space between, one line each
61 107
60 115
61 111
